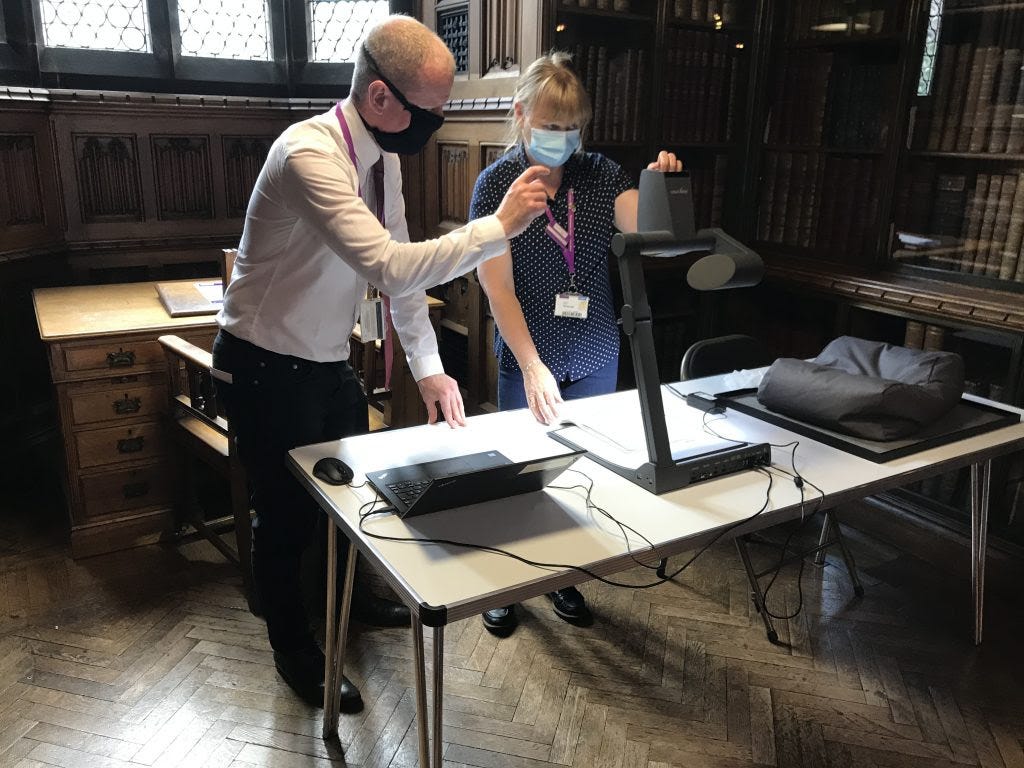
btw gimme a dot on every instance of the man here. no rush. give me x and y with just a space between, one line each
317 230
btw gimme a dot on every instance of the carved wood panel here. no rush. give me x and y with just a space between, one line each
181 168
243 159
20 196
501 35
109 188
453 181
489 153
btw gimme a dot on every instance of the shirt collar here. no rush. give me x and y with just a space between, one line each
367 151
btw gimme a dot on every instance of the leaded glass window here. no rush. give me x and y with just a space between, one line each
337 26
228 29
931 45
111 25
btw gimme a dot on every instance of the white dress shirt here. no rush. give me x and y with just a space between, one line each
311 244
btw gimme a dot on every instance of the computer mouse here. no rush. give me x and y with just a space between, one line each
333 471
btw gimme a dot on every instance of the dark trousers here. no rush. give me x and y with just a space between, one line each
276 403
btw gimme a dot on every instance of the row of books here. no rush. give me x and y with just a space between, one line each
615 82
978 91
857 116
815 19
816 99
702 87
931 338
799 95
708 184
622 6
818 201
705 11
977 223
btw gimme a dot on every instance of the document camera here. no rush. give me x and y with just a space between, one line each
666 229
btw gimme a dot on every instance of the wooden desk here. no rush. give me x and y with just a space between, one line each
445 583
111 381
109 372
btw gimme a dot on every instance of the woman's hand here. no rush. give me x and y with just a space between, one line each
667 162
542 393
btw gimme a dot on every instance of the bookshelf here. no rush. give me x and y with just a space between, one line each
612 44
665 74
705 66
830 89
959 212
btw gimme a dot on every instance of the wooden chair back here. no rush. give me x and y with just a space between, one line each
198 424
227 263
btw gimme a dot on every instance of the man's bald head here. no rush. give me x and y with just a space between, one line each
410 55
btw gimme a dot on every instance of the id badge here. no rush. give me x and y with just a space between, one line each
571 305
371 319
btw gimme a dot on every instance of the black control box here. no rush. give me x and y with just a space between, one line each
735 459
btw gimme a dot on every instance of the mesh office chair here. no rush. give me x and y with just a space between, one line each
724 354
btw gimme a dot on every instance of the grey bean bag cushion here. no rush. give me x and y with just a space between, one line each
865 388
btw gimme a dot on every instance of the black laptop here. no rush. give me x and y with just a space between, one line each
416 489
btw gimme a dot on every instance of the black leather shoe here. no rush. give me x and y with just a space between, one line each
379 612
303 670
501 621
570 605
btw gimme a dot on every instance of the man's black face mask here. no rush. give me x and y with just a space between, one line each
422 126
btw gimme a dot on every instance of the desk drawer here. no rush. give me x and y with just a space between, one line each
112 356
113 492
139 397
97 447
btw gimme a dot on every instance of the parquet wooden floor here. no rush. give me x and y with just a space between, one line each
150 658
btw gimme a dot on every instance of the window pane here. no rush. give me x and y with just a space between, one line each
337 26
931 44
111 25
228 29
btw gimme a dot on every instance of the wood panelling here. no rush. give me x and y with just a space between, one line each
501 38
243 160
453 182
140 173
489 153
184 184
21 199
30 199
107 172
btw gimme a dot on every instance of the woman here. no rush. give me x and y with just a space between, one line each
550 293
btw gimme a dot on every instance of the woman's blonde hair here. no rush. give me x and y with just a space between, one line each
552 82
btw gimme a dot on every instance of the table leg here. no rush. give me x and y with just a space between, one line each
420 662
981 480
438 693
337 629
420 671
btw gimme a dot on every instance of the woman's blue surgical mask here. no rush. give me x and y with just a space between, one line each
552 148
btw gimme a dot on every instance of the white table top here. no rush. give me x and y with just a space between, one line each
555 526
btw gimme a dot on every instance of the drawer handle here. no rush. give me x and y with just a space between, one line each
127 405
121 359
131 444
135 490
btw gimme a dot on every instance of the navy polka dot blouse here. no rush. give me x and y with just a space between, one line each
570 348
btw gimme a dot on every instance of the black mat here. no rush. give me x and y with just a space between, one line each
967 419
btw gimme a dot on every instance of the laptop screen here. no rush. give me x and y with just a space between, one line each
416 489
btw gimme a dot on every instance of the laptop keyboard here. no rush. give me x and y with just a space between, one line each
409 490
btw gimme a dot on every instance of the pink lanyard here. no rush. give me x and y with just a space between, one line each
389 343
352 156
566 241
